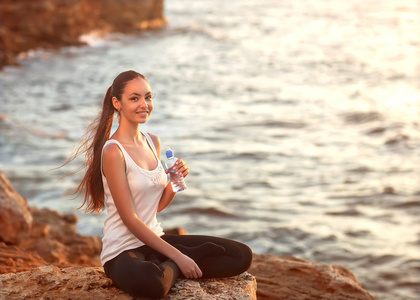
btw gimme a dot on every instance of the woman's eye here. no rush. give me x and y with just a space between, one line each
134 98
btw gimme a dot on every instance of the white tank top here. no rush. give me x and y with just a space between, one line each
146 189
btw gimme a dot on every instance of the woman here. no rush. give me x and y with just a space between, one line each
126 170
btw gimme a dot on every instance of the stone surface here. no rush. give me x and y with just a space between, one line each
49 24
241 287
15 217
50 282
31 237
55 238
13 259
287 277
52 240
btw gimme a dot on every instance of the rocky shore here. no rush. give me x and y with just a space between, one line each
50 24
43 256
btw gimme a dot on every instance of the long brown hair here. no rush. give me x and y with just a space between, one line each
92 143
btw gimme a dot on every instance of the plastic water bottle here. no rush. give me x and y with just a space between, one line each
177 180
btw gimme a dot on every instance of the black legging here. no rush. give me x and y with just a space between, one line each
144 272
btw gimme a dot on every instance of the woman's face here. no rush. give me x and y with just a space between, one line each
136 103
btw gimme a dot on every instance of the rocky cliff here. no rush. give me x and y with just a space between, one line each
49 24
46 258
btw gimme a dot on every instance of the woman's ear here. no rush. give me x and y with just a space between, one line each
116 103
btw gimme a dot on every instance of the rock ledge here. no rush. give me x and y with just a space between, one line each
291 278
50 282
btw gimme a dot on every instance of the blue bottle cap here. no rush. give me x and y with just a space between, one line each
169 152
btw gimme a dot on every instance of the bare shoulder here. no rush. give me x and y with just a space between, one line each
155 139
112 154
156 142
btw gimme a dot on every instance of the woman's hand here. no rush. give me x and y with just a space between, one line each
188 266
180 167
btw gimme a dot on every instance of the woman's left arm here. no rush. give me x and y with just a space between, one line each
181 167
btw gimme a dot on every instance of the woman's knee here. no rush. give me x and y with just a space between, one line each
145 280
246 257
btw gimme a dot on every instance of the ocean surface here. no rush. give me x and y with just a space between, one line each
299 121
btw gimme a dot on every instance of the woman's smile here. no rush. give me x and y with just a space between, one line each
143 114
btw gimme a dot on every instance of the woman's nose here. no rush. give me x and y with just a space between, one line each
143 102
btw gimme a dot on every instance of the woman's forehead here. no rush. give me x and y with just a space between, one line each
137 85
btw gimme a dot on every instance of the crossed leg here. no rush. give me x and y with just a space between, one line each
144 272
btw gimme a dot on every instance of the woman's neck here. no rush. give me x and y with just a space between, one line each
128 132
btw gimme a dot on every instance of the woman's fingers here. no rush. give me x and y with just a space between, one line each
189 268
196 273
182 167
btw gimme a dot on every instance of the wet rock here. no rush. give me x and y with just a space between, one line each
50 282
15 217
287 277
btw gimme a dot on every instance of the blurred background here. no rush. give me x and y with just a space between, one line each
299 121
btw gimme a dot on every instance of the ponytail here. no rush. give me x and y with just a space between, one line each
98 133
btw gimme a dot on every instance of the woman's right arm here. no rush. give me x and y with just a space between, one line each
114 171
